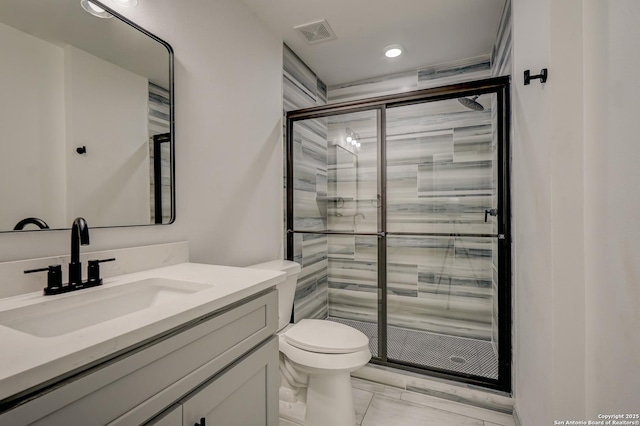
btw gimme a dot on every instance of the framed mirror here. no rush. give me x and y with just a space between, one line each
86 112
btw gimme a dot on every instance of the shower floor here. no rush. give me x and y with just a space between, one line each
459 354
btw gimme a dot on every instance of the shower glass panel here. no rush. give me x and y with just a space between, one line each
398 211
441 188
335 217
441 161
440 303
353 177
310 174
353 284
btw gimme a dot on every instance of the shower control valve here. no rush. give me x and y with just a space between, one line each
492 212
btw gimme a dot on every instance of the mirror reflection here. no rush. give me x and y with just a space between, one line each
86 118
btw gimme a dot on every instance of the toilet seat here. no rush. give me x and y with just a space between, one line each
325 337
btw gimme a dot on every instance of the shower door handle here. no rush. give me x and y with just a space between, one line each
492 212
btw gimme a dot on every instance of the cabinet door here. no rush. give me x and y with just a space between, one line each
245 394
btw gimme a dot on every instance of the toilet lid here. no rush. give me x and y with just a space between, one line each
326 337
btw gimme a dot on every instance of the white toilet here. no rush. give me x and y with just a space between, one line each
316 359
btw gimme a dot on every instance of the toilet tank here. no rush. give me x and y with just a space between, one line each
286 289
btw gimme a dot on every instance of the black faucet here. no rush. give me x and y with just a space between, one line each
79 236
33 220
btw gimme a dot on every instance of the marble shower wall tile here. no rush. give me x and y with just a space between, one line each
342 247
298 75
402 279
302 89
449 73
353 275
441 214
420 147
475 142
353 304
420 78
501 54
442 314
312 289
377 86
455 179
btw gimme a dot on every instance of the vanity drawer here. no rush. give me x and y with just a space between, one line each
144 383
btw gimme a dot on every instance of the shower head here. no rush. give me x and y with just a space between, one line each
471 103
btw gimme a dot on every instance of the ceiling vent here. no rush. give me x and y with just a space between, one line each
316 32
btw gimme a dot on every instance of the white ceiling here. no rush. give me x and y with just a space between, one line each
432 32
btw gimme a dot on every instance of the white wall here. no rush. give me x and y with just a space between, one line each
575 174
567 207
531 188
228 139
612 206
33 134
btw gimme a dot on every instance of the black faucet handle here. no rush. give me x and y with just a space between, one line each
93 273
54 278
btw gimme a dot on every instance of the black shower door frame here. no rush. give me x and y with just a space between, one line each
500 86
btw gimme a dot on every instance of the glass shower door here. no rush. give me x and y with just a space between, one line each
336 206
441 171
398 211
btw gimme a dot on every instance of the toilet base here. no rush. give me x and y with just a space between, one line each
330 400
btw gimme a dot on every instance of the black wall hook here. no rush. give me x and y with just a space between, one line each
81 149
542 76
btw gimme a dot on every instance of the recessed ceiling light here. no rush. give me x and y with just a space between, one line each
393 51
127 3
94 9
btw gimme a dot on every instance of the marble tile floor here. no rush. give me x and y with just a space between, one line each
451 353
380 405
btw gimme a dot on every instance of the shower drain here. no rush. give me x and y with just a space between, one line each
458 359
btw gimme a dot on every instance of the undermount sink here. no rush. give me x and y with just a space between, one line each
58 315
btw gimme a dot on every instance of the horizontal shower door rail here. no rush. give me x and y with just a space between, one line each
443 234
364 234
488 85
399 234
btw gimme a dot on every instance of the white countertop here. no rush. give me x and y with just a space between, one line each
27 360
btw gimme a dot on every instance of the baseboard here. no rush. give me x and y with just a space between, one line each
459 392
516 418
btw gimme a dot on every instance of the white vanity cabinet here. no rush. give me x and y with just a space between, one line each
237 397
222 366
171 417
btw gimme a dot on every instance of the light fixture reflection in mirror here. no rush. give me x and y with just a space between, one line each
95 10
352 137
126 3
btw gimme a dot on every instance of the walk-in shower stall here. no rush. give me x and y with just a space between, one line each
398 211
